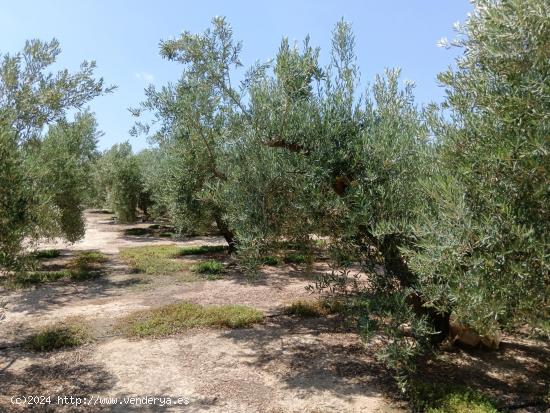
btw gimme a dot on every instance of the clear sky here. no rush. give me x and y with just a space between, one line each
123 37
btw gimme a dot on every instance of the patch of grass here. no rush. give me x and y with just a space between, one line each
138 232
57 337
87 259
295 258
166 234
86 265
83 266
26 279
175 318
315 308
202 249
154 260
47 254
161 259
212 268
271 260
449 398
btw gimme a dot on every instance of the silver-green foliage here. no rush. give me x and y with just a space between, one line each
194 135
60 172
443 216
485 235
118 174
15 199
44 155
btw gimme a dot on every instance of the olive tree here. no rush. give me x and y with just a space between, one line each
41 199
15 200
483 242
296 150
118 172
195 117
364 156
32 98
59 170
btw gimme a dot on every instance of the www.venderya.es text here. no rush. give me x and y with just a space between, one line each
30 400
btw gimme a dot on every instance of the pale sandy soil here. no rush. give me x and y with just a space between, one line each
283 365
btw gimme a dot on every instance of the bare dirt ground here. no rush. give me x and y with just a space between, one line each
283 365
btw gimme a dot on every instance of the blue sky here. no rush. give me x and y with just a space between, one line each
123 37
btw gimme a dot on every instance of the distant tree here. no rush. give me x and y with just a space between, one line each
146 161
120 177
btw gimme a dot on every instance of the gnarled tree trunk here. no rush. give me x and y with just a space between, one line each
228 235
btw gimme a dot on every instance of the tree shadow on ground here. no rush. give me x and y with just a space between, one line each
313 355
179 241
320 354
517 376
43 297
49 375
277 277
46 376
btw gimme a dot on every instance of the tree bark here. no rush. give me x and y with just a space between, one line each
398 267
393 260
228 235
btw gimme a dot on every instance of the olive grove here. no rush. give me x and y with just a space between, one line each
442 209
445 209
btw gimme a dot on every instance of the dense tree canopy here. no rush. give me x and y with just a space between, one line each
445 209
442 210
485 237
45 156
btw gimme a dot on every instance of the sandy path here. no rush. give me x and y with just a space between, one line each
103 234
283 365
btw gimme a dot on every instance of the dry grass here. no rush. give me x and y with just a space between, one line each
64 335
212 269
83 266
175 318
153 260
315 308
